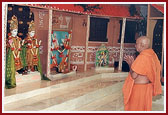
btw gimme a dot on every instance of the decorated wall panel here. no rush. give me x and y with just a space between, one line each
77 55
61 21
78 52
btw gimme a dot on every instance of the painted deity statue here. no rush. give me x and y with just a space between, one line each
13 54
102 59
102 56
32 46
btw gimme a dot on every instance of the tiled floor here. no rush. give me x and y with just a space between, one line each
87 91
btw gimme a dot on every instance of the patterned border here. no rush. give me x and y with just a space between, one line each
92 49
77 55
76 62
77 51
77 48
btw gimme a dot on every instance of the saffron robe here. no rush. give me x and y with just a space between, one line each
138 97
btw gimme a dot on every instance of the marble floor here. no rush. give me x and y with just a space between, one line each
84 91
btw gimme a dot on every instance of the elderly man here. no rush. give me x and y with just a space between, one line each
143 80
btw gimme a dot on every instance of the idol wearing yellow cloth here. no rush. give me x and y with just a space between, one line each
32 47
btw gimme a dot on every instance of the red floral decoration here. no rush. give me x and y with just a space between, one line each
29 46
55 65
68 47
17 63
65 39
35 56
67 55
16 59
53 40
68 39
19 49
35 59
61 55
56 48
9 34
12 49
65 63
29 41
34 36
53 57
9 38
37 46
52 49
70 32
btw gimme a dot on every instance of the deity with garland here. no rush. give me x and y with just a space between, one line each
102 56
32 48
60 51
14 54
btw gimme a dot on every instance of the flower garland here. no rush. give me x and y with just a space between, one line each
13 48
35 59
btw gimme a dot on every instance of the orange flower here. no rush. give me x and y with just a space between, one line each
17 64
37 46
16 59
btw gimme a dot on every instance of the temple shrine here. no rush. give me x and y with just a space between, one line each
69 57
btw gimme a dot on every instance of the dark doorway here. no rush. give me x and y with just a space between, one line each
157 39
157 42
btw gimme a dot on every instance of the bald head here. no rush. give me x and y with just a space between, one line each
144 43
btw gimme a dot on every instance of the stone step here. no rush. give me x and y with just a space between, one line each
73 104
34 85
61 75
96 92
70 93
30 77
104 69
112 102
38 91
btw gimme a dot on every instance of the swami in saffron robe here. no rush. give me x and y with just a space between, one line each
138 97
